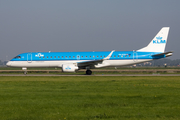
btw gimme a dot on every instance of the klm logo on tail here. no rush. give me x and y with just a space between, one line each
159 41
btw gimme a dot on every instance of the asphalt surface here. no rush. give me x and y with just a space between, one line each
91 75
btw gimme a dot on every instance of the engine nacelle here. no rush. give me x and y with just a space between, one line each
69 68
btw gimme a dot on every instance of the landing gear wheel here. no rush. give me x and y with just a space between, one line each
88 72
25 72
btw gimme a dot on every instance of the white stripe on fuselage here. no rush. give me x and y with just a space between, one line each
112 63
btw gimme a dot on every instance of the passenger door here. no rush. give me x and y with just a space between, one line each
135 56
29 57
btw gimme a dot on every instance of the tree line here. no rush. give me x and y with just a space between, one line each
3 62
161 62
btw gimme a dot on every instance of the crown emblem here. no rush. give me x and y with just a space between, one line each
68 68
39 55
159 38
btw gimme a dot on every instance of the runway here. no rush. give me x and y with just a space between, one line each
91 75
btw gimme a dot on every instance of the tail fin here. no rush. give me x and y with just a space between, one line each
157 44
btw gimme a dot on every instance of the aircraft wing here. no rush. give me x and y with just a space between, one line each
94 62
89 63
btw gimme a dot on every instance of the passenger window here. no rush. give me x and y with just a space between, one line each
104 55
90 56
58 56
54 56
86 56
47 56
101 56
66 56
129 55
62 56
81 56
39 57
114 56
69 56
51 56
43 57
118 55
97 56
73 57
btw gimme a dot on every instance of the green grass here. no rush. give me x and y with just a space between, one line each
89 97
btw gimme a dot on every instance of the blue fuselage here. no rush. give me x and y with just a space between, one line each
69 56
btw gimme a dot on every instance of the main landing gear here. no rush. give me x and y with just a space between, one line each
25 72
88 72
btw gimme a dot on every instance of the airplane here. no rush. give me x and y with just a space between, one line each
74 61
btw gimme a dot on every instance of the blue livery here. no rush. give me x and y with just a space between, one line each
73 61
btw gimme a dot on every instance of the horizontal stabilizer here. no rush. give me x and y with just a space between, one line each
167 54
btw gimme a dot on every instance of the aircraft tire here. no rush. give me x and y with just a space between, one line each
88 72
25 72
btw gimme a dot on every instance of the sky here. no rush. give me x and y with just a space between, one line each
85 25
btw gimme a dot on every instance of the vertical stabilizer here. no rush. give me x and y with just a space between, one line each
158 43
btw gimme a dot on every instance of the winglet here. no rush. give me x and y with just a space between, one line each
109 55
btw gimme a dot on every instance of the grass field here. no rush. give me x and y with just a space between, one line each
89 97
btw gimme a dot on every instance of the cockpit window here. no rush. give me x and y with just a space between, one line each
18 57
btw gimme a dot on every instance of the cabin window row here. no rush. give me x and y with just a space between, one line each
129 55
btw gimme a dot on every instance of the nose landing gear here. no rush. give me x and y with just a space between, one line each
25 70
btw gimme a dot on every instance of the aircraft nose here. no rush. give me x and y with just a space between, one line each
8 63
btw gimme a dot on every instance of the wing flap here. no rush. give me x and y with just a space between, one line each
88 63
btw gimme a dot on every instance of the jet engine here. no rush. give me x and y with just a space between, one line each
69 68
